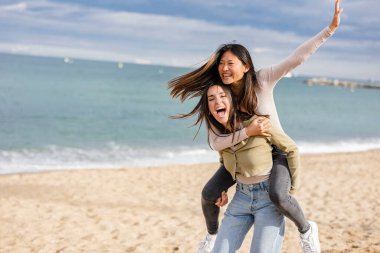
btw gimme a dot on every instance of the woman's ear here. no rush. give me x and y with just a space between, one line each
246 68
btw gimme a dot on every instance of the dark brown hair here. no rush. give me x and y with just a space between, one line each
194 83
202 111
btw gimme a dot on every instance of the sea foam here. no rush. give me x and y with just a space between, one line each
121 156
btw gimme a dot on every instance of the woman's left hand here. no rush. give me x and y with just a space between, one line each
222 200
336 19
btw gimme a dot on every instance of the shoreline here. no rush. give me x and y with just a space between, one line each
157 209
209 156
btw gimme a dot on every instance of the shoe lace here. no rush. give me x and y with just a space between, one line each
204 243
306 245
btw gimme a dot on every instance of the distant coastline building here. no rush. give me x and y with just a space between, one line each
342 83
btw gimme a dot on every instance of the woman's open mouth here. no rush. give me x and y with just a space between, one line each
221 112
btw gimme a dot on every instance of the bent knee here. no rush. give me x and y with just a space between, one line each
278 198
210 194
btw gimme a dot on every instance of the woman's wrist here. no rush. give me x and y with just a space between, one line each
246 131
333 28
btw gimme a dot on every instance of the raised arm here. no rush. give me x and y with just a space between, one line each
275 72
259 126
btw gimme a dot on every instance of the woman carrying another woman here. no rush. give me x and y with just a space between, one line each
253 91
248 162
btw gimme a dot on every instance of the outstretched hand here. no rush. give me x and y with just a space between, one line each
336 19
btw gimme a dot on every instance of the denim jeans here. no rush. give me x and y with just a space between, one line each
279 193
251 205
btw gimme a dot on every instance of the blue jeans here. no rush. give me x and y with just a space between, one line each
278 192
251 205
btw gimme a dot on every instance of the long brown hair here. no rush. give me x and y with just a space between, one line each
194 83
203 114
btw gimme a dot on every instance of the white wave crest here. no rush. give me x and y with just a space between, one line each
117 156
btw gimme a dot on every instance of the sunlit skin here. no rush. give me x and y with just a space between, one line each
231 70
218 104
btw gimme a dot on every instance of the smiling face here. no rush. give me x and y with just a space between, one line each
231 69
219 104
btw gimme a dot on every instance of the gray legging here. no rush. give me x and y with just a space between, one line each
278 191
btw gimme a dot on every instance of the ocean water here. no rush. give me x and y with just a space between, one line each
91 114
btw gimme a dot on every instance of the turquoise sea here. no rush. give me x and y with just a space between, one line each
91 114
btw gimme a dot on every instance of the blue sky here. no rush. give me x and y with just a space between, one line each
186 32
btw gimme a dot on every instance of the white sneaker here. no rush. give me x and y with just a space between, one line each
207 244
309 240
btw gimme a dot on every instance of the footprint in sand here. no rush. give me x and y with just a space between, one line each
115 234
131 249
87 237
170 249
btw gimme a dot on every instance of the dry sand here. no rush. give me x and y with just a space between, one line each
157 209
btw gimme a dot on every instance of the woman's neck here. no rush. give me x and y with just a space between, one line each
227 127
237 87
236 90
236 125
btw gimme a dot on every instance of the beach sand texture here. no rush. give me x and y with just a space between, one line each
157 209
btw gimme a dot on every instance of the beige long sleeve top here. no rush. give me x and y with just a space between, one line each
252 158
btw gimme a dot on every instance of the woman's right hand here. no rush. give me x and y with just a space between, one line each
259 126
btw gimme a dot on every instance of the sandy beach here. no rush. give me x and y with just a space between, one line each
157 209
